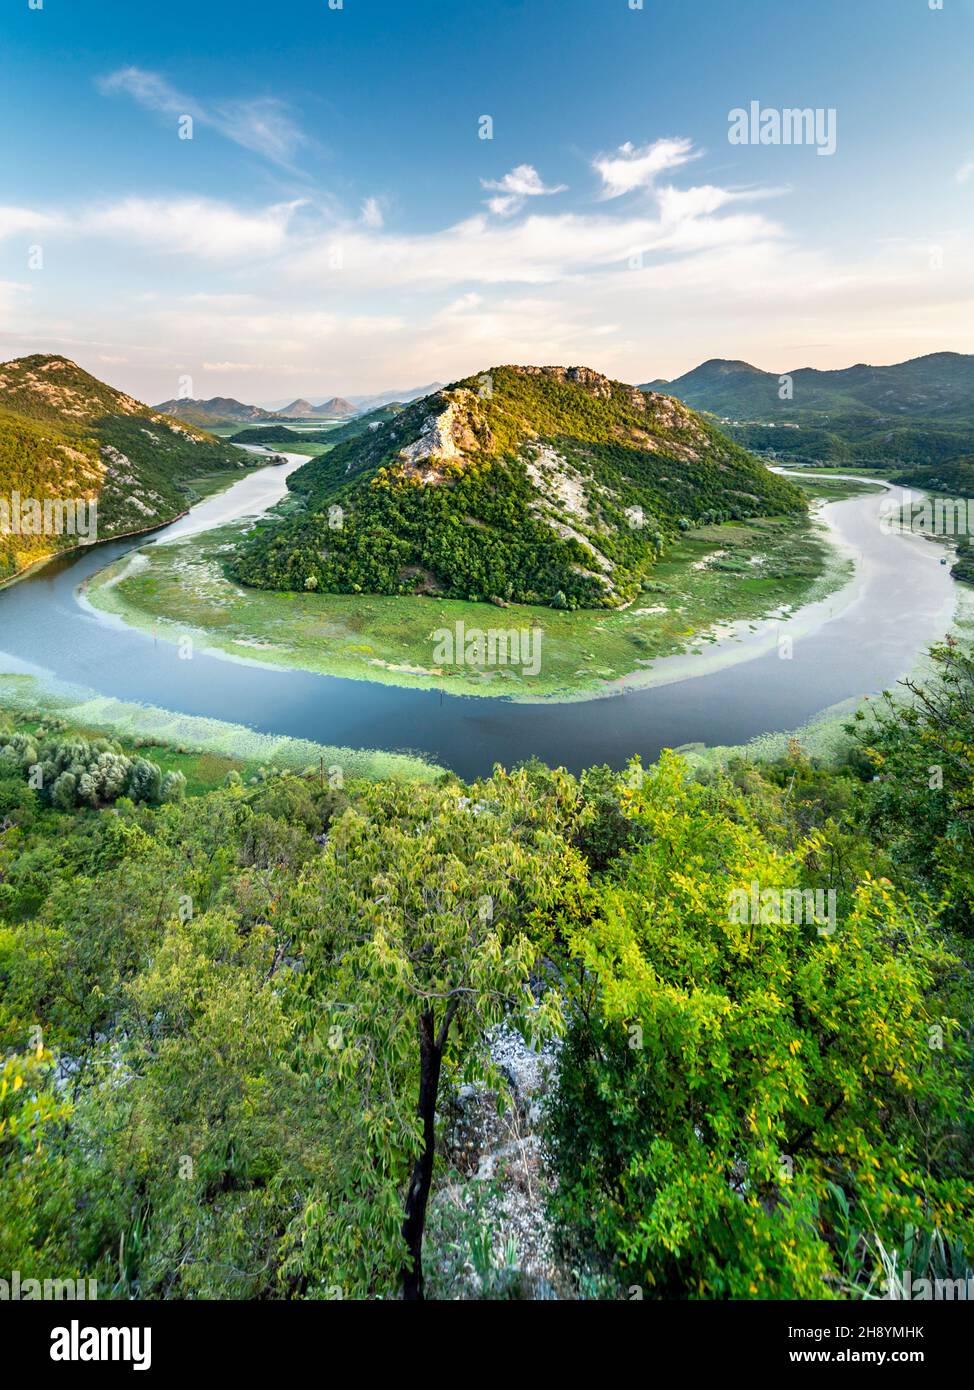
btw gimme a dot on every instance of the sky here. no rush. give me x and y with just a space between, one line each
301 199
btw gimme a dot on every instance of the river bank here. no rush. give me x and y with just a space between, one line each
862 639
707 593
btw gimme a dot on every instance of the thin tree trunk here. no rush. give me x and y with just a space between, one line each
430 1058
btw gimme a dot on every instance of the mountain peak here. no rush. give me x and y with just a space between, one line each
939 384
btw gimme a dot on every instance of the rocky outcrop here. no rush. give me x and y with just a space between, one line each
502 1175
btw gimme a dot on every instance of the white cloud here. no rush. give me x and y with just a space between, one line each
539 249
639 289
193 226
14 220
965 171
634 167
262 125
516 187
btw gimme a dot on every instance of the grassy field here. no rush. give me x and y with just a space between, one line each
209 484
830 488
713 576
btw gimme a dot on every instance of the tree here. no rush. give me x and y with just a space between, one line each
728 1077
421 925
922 803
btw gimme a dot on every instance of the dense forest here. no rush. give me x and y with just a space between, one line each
536 485
217 1012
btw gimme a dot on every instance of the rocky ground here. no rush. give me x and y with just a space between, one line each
491 1234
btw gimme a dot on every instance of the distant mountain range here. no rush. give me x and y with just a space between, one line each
415 393
304 410
560 487
225 410
938 386
218 410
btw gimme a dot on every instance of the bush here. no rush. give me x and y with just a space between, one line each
722 1080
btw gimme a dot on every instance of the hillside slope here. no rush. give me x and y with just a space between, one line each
913 414
533 484
65 435
940 385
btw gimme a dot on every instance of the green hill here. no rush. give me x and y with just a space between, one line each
66 436
531 484
919 412
939 386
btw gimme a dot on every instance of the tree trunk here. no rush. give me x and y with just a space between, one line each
430 1057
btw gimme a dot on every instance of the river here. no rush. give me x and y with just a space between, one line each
859 641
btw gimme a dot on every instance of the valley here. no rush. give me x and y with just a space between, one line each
860 637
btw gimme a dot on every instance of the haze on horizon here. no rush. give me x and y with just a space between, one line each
337 225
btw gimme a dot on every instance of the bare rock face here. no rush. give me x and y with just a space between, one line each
449 432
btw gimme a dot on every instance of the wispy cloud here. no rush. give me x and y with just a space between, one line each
632 166
965 172
515 188
261 125
14 220
192 226
372 213
337 301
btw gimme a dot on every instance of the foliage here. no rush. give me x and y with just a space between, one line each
238 1019
78 772
724 1078
921 804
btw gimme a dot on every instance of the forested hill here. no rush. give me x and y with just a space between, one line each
916 414
938 386
533 484
66 435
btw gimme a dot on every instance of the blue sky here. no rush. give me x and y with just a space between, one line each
337 224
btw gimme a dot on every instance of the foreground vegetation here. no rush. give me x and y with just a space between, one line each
235 1026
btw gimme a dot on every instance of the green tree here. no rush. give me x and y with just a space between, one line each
725 1078
420 928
